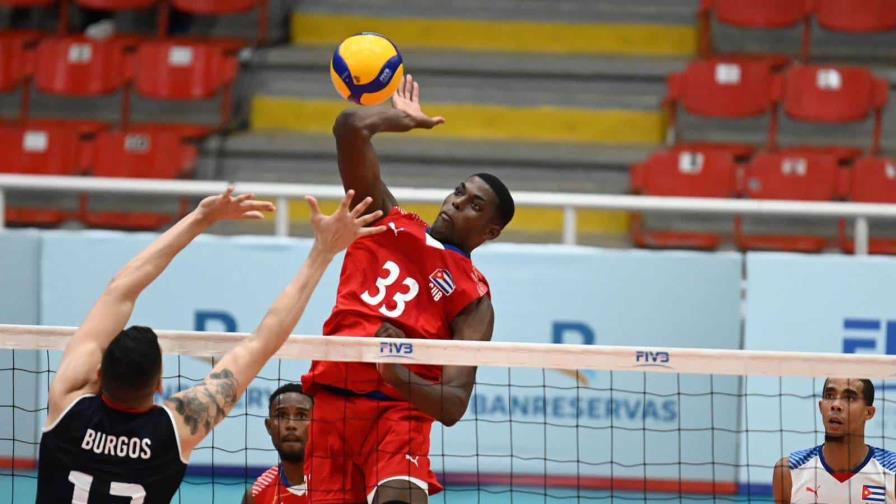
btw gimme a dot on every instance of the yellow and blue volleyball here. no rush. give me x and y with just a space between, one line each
366 68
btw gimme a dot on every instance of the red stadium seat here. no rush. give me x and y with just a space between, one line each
16 66
788 175
224 8
77 66
758 14
170 70
142 153
138 153
856 16
117 5
43 151
832 95
215 7
871 180
15 62
755 15
708 174
722 88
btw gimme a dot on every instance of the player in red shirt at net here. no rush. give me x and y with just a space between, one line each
289 412
370 429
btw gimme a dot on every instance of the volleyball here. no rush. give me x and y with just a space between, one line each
366 68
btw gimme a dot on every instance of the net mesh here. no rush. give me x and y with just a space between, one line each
645 425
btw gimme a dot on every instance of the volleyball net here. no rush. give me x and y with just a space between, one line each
546 422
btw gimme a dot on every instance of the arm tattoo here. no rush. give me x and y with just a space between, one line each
202 407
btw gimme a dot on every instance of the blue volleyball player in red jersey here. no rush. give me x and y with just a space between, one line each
370 428
105 439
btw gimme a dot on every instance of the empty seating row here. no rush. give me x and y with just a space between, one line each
735 89
193 7
782 175
131 153
78 67
844 16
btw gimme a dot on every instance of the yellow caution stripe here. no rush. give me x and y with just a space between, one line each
510 36
479 122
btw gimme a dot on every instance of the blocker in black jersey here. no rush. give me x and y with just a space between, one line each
105 440
97 454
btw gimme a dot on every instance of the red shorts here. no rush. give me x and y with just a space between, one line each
357 443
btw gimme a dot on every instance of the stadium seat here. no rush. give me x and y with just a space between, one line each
871 180
16 67
142 153
832 95
80 67
117 5
42 151
856 16
216 7
138 153
754 15
721 88
222 8
788 175
178 71
708 174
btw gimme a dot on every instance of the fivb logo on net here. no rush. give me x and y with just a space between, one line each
651 358
400 350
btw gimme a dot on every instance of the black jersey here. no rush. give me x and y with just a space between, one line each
96 454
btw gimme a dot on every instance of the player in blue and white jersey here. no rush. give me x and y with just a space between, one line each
843 470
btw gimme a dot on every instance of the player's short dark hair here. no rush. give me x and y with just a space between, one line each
867 390
132 363
506 207
284 389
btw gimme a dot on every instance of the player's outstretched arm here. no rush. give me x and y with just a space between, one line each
446 401
77 372
198 409
782 482
358 163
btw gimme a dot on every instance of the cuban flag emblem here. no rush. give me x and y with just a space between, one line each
440 280
871 493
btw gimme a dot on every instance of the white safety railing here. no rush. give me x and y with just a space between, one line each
569 202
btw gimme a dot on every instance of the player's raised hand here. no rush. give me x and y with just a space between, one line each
407 100
334 233
226 206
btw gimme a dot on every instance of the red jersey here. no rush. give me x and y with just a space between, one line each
272 488
402 276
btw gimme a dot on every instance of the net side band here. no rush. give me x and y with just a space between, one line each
500 354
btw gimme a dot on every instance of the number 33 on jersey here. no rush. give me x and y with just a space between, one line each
406 276
403 276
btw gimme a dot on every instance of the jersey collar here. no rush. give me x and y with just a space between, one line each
839 476
301 488
448 246
117 406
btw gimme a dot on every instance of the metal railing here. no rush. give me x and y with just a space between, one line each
570 203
